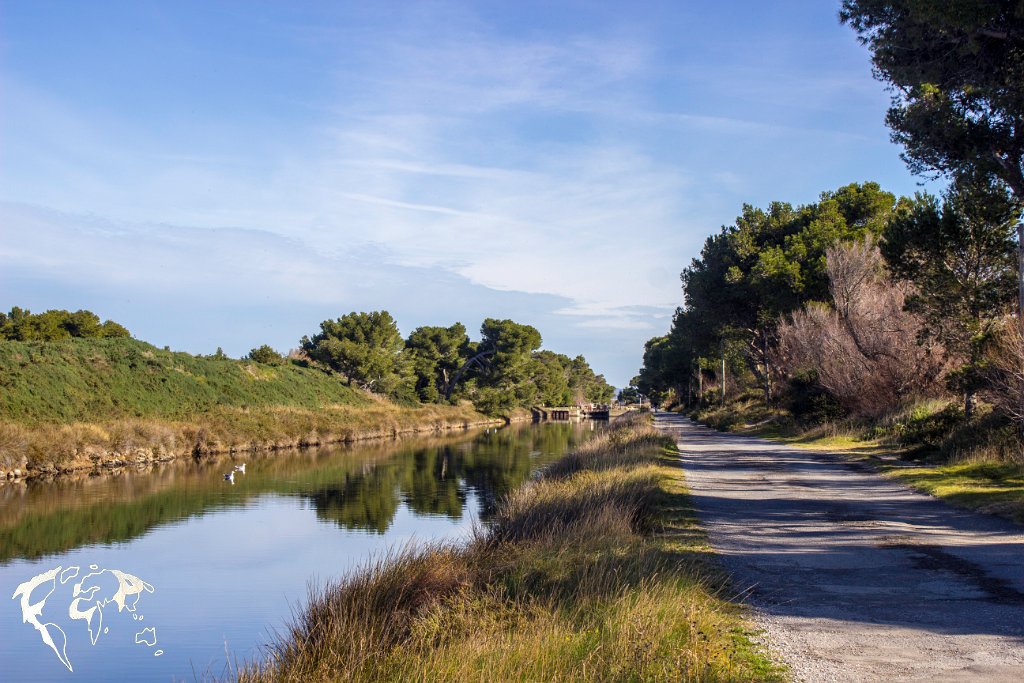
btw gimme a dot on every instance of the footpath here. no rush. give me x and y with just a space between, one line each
851 576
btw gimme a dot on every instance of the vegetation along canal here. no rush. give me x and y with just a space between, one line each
226 563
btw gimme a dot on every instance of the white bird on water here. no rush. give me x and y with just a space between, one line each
240 468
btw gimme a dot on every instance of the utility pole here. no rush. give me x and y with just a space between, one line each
700 385
767 370
723 377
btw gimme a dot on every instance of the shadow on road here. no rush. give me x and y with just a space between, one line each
804 534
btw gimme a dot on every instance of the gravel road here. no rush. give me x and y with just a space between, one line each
851 576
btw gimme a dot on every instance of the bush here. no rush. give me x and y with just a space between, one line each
266 355
1005 372
865 351
810 402
56 325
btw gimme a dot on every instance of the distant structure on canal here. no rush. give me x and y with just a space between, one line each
586 411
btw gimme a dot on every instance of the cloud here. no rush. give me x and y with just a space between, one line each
448 161
198 288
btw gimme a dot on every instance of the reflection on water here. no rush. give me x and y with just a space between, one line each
230 561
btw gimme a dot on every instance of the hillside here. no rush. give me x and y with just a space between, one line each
82 403
86 380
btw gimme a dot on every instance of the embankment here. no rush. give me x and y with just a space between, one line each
596 571
88 403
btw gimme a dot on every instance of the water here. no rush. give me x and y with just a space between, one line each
228 564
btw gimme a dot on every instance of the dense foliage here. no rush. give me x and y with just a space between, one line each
804 296
267 355
769 263
437 354
862 303
956 69
365 347
503 371
55 325
960 256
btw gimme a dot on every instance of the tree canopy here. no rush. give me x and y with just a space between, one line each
504 382
55 325
437 353
960 256
266 354
366 347
502 371
768 263
955 69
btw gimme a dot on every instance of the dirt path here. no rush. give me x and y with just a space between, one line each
853 577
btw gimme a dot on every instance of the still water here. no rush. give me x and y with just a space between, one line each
210 570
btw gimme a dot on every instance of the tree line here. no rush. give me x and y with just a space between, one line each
862 301
505 369
56 325
851 305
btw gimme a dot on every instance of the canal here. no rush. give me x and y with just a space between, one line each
178 573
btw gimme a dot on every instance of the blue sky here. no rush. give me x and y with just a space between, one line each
230 174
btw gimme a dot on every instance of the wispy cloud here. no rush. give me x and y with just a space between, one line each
574 165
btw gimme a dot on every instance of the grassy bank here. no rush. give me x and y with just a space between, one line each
90 380
594 572
82 402
930 446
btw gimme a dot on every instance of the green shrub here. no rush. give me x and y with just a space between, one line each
267 355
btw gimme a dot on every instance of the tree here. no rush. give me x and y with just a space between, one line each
500 366
769 263
111 330
550 377
960 258
505 382
55 325
585 386
365 347
630 394
956 70
436 353
562 381
266 354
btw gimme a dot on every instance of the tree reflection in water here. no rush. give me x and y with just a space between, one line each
359 487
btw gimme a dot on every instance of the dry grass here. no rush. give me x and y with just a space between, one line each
591 573
222 430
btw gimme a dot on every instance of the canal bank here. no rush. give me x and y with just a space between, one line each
53 449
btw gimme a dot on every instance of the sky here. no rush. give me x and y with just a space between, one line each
230 174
